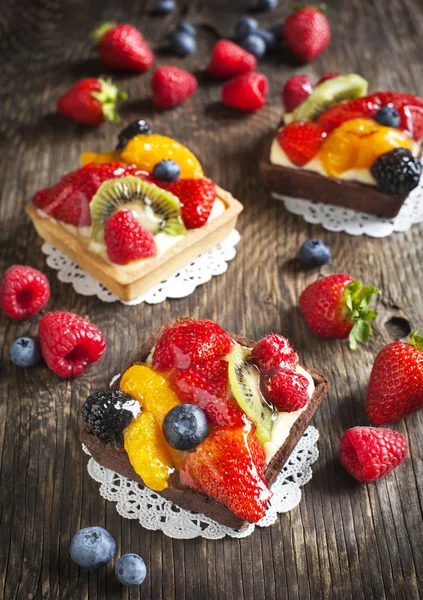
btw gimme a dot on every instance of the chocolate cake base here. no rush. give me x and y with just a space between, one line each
117 459
308 185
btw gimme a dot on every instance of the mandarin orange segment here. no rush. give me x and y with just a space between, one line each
382 141
146 151
100 158
148 452
338 153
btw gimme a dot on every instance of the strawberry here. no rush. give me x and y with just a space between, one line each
285 388
246 92
68 200
297 89
365 107
196 197
172 86
410 109
326 76
238 484
301 141
307 33
190 341
272 352
396 381
91 101
122 47
126 239
336 307
229 60
206 384
368 453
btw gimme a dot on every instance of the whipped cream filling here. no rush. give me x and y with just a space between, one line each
163 240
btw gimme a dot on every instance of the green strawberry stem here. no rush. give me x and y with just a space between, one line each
98 33
357 299
108 96
416 340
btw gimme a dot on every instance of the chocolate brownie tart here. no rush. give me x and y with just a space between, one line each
117 460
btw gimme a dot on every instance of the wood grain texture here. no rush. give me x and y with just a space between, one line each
345 539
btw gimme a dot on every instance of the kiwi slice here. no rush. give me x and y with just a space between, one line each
244 378
157 209
329 93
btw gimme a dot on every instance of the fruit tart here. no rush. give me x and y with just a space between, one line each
133 216
194 398
345 147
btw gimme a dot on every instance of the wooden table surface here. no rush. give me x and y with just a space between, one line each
345 539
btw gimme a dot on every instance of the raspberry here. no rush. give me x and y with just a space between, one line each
397 171
274 351
69 343
229 60
286 389
172 86
297 89
368 453
108 413
301 141
23 292
126 239
246 92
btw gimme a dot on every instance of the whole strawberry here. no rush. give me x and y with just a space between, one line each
123 47
396 381
126 239
307 33
368 453
91 101
337 307
196 197
297 89
172 86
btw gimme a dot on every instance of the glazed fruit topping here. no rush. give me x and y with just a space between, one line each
190 341
239 484
295 91
396 382
206 385
122 47
274 351
131 130
185 426
337 307
108 413
229 60
246 92
286 389
397 171
91 101
368 453
361 108
172 86
301 141
387 115
196 198
126 239
24 291
69 343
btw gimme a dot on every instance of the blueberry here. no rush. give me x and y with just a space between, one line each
166 170
255 44
182 43
25 352
131 130
164 7
276 30
186 27
268 37
92 547
387 115
245 26
130 570
314 253
267 4
185 426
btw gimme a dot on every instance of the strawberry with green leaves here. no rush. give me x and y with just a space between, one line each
91 101
396 381
337 307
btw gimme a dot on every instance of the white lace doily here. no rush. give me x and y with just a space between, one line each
336 218
135 501
180 284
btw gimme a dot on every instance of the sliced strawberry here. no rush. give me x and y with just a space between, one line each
410 109
238 484
206 385
188 342
365 107
196 197
301 141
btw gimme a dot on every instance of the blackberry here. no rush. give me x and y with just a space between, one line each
397 171
131 130
108 413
